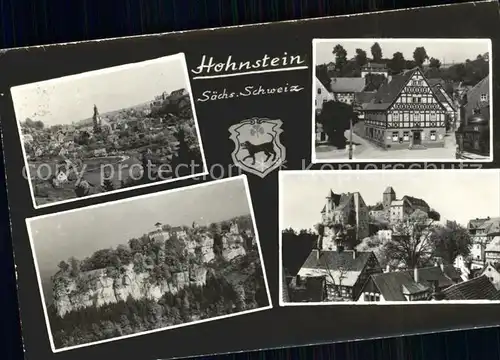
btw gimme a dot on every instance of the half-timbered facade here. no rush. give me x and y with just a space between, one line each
405 113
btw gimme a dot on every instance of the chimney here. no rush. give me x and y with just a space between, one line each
415 274
354 253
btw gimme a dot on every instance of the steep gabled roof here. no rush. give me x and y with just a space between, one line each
331 260
392 284
479 288
416 201
364 97
347 84
440 94
474 94
490 225
389 91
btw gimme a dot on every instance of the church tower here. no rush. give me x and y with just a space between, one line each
388 197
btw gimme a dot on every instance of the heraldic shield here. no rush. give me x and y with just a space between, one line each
258 149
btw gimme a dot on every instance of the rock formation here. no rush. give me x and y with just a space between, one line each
98 287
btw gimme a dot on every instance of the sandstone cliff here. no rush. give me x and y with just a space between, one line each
99 287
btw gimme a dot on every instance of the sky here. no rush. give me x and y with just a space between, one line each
458 195
445 50
72 98
80 233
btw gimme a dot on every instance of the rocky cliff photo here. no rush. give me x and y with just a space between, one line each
167 276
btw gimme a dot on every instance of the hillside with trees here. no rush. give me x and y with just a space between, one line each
222 286
468 73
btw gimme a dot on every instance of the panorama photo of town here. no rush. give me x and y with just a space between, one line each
382 237
177 260
107 130
402 99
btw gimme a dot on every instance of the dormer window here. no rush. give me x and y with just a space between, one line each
483 97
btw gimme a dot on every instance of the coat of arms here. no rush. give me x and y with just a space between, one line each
258 149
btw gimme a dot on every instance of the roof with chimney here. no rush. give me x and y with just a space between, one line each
347 84
479 288
490 225
395 285
330 259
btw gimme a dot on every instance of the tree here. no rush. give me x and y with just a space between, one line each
63 266
451 240
411 241
134 245
335 277
361 58
420 56
434 63
376 245
376 51
335 118
124 254
340 56
139 263
75 267
373 81
398 63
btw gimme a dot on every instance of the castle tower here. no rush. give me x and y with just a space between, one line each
388 197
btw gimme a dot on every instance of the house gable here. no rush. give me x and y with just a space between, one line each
417 86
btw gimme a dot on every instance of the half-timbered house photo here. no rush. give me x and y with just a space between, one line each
402 99
381 237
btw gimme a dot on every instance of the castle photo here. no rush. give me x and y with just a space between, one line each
149 263
108 130
389 236
402 99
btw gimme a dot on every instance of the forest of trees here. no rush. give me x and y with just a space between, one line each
219 296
